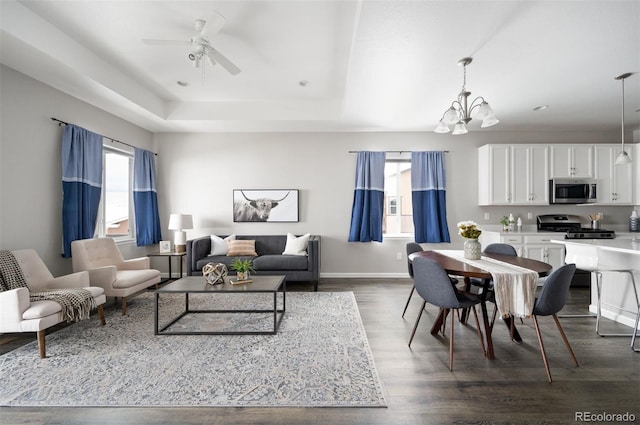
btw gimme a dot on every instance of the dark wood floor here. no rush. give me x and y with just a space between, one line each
419 388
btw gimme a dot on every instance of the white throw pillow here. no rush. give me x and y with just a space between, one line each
296 246
220 246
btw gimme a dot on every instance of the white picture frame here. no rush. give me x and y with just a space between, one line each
165 247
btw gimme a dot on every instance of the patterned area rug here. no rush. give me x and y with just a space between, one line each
319 358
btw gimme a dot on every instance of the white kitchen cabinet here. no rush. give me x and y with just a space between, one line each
615 182
493 175
636 161
539 247
572 161
530 174
513 175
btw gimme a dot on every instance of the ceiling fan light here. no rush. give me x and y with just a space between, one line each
460 128
489 122
623 158
451 116
442 127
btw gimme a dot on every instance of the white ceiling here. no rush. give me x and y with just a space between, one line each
386 65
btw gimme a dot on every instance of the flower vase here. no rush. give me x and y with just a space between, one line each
472 249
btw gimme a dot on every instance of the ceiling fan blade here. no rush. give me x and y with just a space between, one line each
154 42
218 57
214 24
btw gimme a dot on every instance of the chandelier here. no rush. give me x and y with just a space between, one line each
459 113
623 156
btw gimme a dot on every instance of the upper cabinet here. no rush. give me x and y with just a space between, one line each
519 174
572 161
530 174
513 174
615 182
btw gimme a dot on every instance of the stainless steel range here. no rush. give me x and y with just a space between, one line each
572 226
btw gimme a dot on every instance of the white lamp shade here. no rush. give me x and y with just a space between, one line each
180 221
442 127
489 122
623 158
484 110
460 128
451 116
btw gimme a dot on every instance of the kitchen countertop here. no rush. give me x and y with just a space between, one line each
628 246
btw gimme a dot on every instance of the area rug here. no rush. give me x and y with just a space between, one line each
320 357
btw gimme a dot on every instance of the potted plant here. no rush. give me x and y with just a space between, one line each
242 268
505 223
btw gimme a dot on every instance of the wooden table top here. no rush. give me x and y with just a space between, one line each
460 268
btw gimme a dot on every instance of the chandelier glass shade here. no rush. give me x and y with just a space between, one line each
623 156
459 113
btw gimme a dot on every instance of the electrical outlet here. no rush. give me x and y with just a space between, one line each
399 256
487 216
529 215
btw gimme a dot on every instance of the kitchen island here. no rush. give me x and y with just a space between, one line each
618 299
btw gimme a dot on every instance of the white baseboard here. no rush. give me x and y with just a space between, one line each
364 275
614 315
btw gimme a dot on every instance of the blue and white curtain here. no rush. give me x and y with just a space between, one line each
81 184
429 197
145 198
368 198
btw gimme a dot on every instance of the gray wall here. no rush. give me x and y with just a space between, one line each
197 173
30 162
200 171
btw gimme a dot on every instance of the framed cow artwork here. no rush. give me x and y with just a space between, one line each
265 205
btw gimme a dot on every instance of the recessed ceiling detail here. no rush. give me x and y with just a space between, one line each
372 66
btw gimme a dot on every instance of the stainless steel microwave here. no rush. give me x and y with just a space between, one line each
572 191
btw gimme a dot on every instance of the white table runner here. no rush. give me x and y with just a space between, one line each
514 286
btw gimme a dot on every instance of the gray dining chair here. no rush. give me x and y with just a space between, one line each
551 300
434 286
412 247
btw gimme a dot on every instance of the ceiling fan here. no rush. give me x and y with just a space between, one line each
200 46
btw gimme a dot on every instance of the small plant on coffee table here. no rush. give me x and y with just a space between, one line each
242 268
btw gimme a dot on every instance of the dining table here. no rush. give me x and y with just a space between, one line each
457 265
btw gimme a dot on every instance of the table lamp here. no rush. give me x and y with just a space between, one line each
179 222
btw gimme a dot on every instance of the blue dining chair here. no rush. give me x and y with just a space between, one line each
434 286
551 300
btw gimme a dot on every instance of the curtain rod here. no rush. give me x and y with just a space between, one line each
60 122
400 152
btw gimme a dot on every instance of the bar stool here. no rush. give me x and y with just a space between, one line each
617 262
598 261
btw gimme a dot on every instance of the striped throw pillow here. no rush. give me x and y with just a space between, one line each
242 247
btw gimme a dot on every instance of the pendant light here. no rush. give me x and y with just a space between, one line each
459 113
623 156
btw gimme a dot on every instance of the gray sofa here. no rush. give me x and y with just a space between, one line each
269 261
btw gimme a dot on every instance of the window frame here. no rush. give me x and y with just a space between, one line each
108 148
398 197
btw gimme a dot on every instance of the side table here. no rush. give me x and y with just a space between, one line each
169 256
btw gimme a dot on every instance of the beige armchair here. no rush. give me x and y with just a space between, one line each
109 270
19 314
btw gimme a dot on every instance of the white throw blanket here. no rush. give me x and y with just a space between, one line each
514 286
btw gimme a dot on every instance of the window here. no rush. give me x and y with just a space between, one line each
115 218
393 205
398 214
